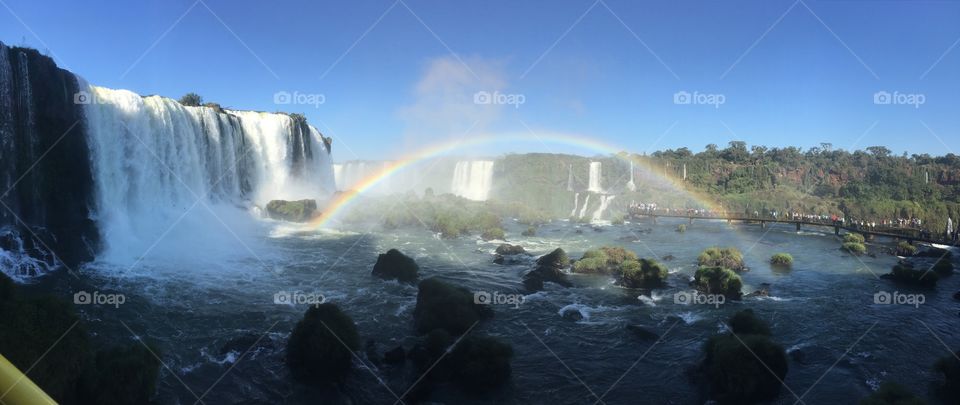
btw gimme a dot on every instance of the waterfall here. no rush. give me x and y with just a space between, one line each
154 159
472 179
630 184
594 178
586 203
576 203
570 178
604 203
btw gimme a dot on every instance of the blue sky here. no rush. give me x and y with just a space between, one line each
395 76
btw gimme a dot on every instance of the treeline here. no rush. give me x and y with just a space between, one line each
870 184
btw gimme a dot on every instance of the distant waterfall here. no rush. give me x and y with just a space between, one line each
570 179
586 203
630 184
576 203
472 179
594 178
604 203
348 174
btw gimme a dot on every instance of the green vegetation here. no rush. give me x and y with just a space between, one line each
891 393
530 231
728 258
745 368
191 100
618 220
904 248
644 273
682 228
853 238
718 280
441 305
394 265
321 345
781 259
293 211
854 248
493 234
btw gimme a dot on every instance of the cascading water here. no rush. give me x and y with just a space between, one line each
604 203
586 203
630 184
472 179
593 184
154 160
576 203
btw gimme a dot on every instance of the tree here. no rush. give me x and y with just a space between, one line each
191 100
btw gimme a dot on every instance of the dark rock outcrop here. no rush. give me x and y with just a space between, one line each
549 268
441 305
394 265
508 249
643 332
320 349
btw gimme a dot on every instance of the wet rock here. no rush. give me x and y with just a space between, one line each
320 348
394 265
643 332
395 356
370 348
441 305
549 268
956 295
498 259
508 249
572 314
667 258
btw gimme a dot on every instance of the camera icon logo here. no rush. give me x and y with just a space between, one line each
882 97
682 97
82 97
682 298
482 298
882 298
282 298
282 97
482 97
82 298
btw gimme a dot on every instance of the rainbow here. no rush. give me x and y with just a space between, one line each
343 199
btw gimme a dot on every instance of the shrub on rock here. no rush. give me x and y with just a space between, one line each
643 273
854 248
122 375
682 228
481 363
321 346
396 265
718 280
292 211
853 238
891 393
904 248
493 234
530 231
728 258
605 260
441 305
781 259
744 368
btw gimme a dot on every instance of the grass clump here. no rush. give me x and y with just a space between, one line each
718 280
744 365
728 258
904 248
781 259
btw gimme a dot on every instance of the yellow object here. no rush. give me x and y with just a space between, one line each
17 389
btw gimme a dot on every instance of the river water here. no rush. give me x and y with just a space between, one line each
191 307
